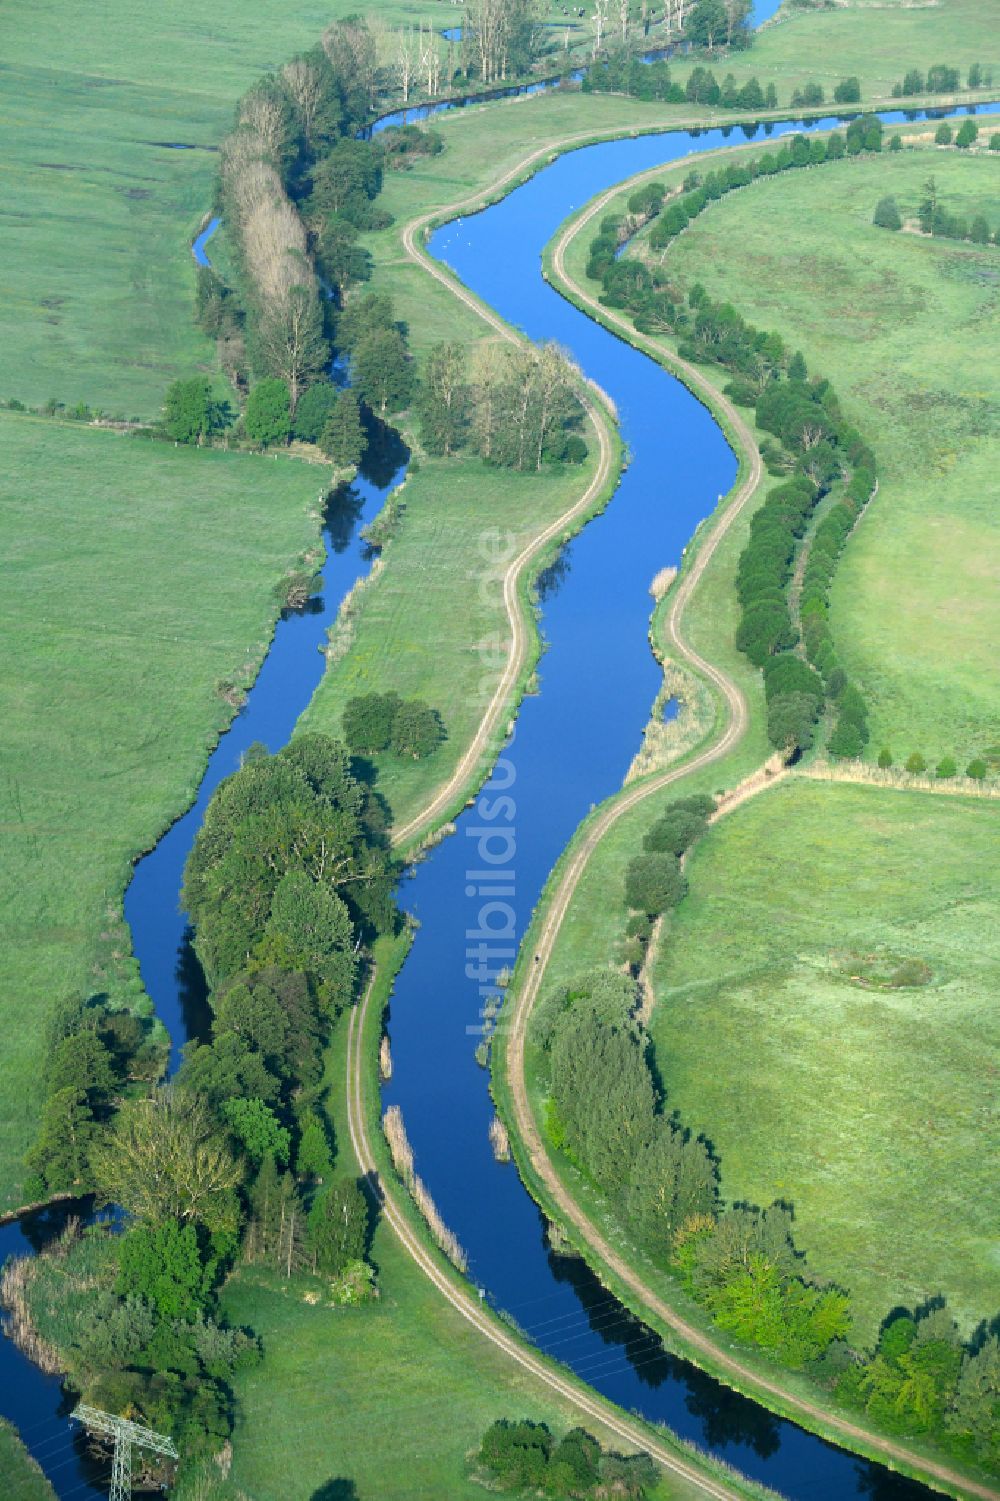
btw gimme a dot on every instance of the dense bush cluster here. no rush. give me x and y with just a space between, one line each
377 722
821 458
525 1456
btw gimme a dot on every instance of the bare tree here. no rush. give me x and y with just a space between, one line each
304 83
264 113
405 61
600 20
623 18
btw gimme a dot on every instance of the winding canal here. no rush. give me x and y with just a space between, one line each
572 747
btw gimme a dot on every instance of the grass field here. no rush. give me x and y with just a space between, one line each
22 1479
902 326
873 1110
877 42
117 637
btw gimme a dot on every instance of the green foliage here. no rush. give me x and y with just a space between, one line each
946 768
268 414
295 821
673 1180
976 769
916 763
887 214
191 412
524 1456
654 882
257 1129
416 730
380 370
61 1153
313 411
165 1160
743 1267
966 134
885 758
163 1265
376 722
444 401
338 1227
343 437
943 134
675 831
313 1159
603 1094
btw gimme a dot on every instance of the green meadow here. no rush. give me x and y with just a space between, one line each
902 326
825 1014
876 42
138 579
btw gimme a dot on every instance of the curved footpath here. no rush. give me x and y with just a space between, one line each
720 1357
460 1298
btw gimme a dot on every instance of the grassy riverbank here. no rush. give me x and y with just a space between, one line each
901 326
22 1478
118 640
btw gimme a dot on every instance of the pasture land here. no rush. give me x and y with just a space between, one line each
825 1014
138 579
901 324
876 42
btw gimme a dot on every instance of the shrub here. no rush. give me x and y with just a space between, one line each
967 133
268 415
885 758
887 214
416 730
976 769
654 882
995 141
896 144
916 763
945 768
943 134
848 91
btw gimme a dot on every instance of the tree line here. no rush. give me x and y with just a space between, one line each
942 78
818 455
607 1112
288 883
623 72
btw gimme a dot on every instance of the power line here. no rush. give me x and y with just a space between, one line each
126 1436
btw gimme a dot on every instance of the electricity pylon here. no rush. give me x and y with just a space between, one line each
126 1435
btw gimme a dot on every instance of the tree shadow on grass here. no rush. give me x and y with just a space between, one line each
340 1489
